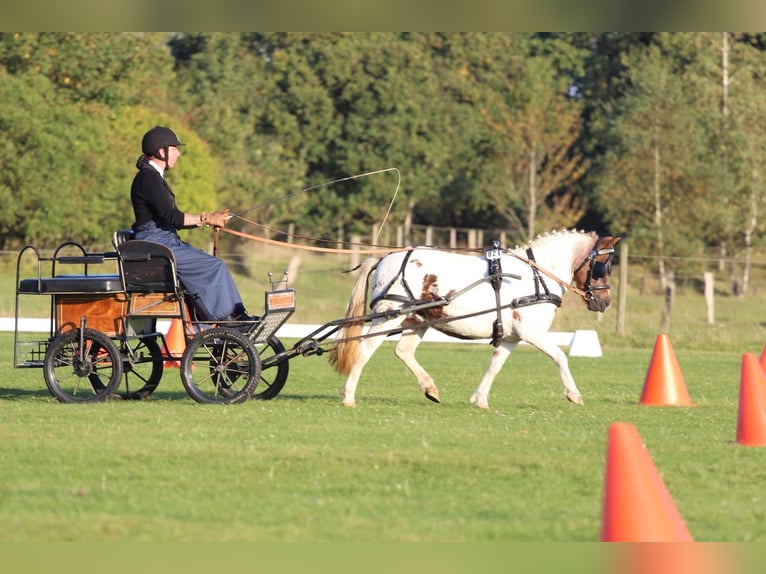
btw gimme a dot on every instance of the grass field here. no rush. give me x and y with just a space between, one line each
398 467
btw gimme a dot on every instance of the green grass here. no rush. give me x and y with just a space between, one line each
398 467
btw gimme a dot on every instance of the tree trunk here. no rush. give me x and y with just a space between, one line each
658 211
750 229
532 193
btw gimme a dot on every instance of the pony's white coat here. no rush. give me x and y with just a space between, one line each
431 273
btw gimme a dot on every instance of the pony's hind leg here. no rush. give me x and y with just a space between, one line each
367 347
480 397
405 351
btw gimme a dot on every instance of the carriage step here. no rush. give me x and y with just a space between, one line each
30 353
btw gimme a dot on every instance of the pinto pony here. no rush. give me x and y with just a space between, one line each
505 296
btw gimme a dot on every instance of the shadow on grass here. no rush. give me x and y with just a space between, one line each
17 394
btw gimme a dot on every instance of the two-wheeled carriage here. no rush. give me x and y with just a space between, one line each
104 340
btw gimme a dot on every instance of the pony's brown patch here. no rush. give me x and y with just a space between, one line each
430 292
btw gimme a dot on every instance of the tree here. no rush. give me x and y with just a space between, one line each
654 179
534 124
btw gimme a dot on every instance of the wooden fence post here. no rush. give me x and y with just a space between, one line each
710 297
340 241
670 291
354 259
623 293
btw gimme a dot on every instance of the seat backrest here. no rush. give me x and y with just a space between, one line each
147 267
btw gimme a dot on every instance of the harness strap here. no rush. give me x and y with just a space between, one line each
496 279
545 297
400 275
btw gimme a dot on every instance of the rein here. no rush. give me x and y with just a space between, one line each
568 286
313 248
586 295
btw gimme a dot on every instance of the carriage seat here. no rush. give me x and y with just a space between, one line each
147 267
65 284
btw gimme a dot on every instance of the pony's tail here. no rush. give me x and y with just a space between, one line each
344 354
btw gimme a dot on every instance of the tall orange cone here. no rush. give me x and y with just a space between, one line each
637 504
674 558
664 384
751 416
762 358
176 343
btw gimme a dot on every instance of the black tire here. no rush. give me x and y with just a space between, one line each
220 366
274 369
82 366
142 366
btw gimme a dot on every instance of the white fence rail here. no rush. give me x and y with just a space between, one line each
581 343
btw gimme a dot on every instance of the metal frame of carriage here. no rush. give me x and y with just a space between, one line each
104 343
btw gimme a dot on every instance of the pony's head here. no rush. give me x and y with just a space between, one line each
593 271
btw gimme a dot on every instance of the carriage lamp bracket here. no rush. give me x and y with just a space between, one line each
280 283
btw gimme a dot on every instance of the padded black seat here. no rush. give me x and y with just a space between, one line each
71 284
147 267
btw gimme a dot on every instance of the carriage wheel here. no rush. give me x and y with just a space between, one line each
220 366
142 365
82 366
274 369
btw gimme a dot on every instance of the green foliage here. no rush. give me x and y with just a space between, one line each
526 131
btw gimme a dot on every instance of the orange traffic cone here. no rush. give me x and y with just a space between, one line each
176 343
664 384
674 559
751 416
762 358
637 504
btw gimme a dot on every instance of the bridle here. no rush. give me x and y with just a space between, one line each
596 269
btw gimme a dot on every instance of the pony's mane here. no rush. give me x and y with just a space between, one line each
544 238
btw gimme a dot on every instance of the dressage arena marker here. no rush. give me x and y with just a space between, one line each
664 384
585 344
637 505
751 414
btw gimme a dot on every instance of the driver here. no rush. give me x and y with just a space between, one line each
157 219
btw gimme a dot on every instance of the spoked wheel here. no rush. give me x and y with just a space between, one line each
82 366
220 366
274 369
142 366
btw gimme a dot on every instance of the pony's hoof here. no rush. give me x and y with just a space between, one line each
576 399
433 395
479 403
349 404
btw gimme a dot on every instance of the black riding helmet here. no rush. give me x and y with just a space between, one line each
157 138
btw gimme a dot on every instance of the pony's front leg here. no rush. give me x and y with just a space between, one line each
480 396
550 348
405 351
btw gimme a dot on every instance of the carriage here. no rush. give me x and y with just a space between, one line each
104 341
